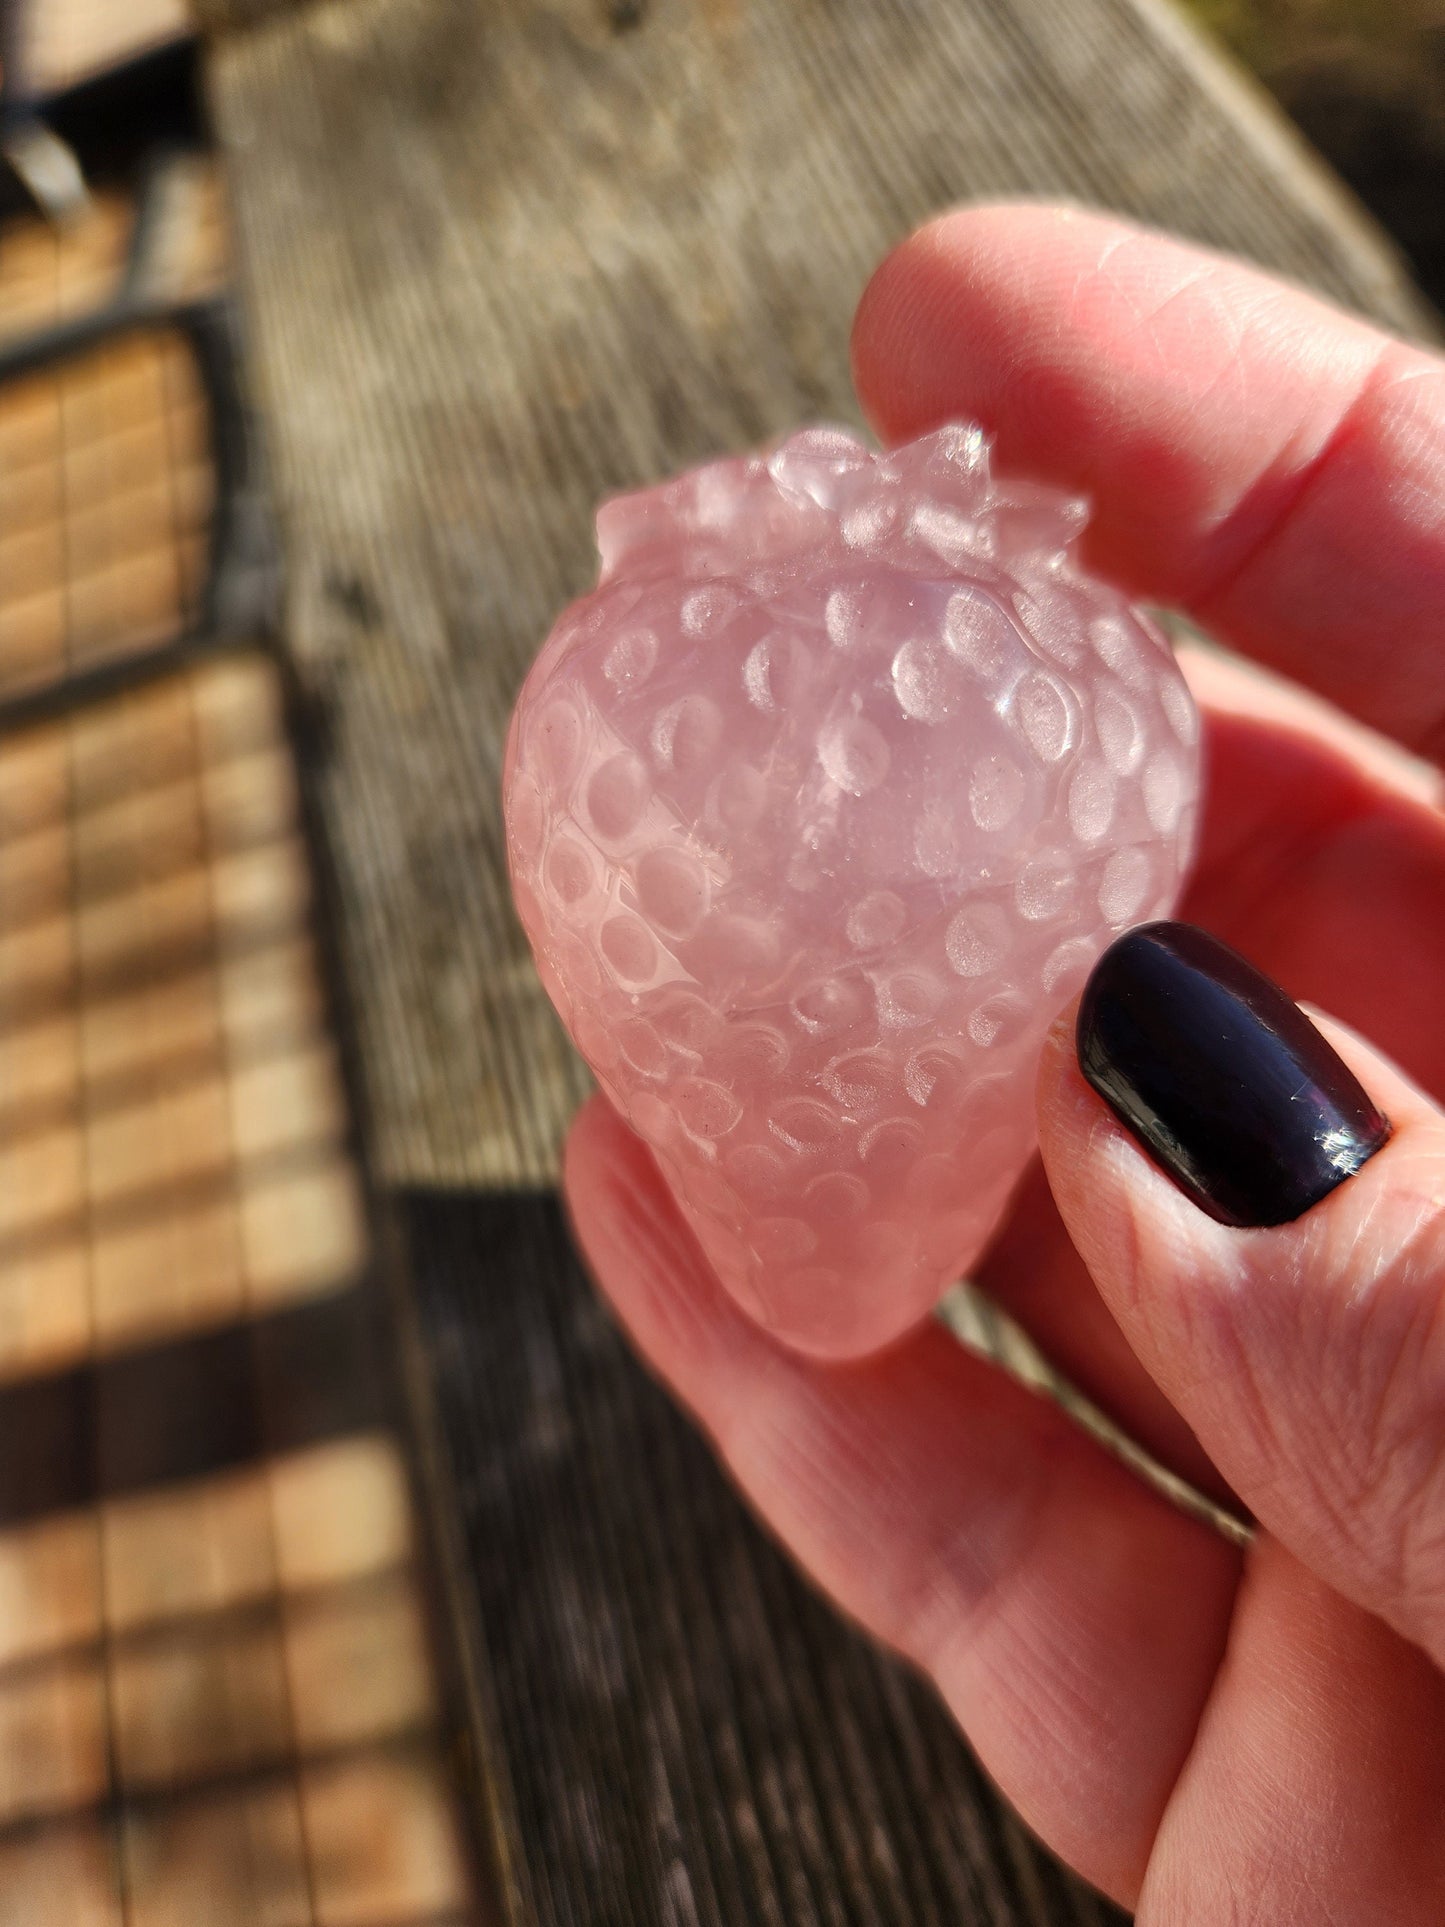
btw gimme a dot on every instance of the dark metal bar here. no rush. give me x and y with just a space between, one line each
207 326
105 679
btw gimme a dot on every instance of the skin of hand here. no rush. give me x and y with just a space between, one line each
1209 1735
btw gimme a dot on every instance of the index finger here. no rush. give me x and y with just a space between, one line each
1255 457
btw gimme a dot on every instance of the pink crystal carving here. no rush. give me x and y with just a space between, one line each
818 808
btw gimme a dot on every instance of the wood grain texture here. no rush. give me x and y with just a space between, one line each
229 16
690 1737
500 259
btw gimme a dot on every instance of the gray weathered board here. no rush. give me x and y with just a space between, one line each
500 256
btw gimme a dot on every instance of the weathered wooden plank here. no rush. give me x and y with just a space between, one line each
227 16
687 1734
502 258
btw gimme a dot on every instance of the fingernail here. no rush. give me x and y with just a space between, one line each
1223 1080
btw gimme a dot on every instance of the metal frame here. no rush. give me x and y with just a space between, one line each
208 327
239 543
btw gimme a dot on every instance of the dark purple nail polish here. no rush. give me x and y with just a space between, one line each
1224 1081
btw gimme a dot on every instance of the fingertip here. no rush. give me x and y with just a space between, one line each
904 340
1293 1341
1058 1051
1398 1097
621 1211
1066 1102
1101 1178
644 1260
943 324
599 1155
1189 397
1391 1208
596 1132
1103 1175
590 1122
875 329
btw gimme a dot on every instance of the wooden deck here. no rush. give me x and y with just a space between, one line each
218 1701
497 260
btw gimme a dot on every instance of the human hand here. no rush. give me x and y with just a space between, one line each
1209 1736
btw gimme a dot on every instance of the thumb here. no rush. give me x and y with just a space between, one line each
1262 1205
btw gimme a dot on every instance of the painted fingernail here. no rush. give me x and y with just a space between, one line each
1223 1080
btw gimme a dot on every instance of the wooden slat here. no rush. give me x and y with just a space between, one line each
680 1732
217 1701
228 16
502 259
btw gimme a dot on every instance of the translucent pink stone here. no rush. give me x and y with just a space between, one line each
818 808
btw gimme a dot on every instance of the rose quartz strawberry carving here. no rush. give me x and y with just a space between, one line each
819 807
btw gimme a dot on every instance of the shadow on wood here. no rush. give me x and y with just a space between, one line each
693 1735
